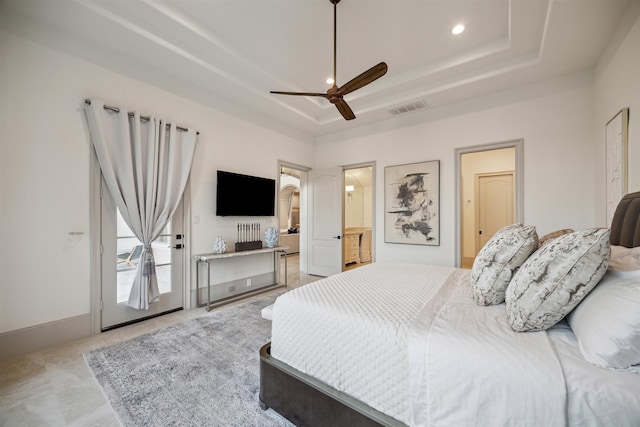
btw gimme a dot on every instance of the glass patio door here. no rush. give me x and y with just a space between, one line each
119 259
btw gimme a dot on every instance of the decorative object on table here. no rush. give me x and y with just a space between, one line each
271 237
412 203
248 236
220 245
616 144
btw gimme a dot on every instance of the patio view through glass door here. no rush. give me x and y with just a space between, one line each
120 257
129 249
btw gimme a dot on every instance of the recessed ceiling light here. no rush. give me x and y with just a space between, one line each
457 29
330 81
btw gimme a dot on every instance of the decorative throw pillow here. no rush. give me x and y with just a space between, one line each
607 322
554 234
624 259
499 259
556 278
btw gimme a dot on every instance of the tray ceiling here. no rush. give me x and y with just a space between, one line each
230 53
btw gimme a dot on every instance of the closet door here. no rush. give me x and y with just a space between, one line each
495 207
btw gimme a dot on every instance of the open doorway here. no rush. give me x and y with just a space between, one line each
291 220
358 219
490 194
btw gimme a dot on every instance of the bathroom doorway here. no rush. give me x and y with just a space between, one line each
358 215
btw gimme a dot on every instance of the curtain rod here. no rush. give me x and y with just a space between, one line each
146 118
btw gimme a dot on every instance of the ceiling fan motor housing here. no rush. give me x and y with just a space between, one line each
333 94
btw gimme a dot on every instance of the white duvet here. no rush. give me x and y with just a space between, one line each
408 340
468 367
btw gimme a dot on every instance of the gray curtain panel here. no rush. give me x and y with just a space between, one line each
146 165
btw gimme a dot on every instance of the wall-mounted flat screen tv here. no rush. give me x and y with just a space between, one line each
244 195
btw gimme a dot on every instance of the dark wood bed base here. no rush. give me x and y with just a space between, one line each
305 401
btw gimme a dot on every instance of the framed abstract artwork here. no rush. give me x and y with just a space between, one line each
616 158
412 203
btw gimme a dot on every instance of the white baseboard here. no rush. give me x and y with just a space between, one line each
27 340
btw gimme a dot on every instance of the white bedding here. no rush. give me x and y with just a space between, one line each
488 374
595 396
408 340
350 330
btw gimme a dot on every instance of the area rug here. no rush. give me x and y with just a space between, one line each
204 372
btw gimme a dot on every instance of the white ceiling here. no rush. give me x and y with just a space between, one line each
230 53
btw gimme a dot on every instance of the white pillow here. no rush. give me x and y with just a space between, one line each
607 322
498 259
623 259
556 278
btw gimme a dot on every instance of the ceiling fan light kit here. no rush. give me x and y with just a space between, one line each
335 94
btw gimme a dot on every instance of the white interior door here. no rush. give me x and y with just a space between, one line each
495 194
325 222
120 252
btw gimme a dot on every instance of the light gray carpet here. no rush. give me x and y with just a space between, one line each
204 372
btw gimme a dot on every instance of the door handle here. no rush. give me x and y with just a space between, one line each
178 246
337 237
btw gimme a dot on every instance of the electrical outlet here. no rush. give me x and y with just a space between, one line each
248 282
232 288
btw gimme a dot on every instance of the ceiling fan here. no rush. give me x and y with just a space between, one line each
335 94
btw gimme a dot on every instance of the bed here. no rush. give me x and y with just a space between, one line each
527 341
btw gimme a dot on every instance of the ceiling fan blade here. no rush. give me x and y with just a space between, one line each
324 95
345 110
364 79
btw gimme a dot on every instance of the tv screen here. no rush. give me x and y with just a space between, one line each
244 195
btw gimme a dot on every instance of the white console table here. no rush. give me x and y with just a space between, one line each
209 257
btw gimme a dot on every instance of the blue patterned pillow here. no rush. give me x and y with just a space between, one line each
556 278
498 260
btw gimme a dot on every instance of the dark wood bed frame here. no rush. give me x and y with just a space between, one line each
305 401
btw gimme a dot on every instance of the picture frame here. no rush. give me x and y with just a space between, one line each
616 131
412 203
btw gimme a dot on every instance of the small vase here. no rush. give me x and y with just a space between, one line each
271 237
220 245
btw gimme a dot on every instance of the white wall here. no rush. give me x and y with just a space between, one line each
618 86
45 170
555 121
354 207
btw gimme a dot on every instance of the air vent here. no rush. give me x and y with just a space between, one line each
409 108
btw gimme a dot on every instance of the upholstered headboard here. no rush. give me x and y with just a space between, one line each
625 226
